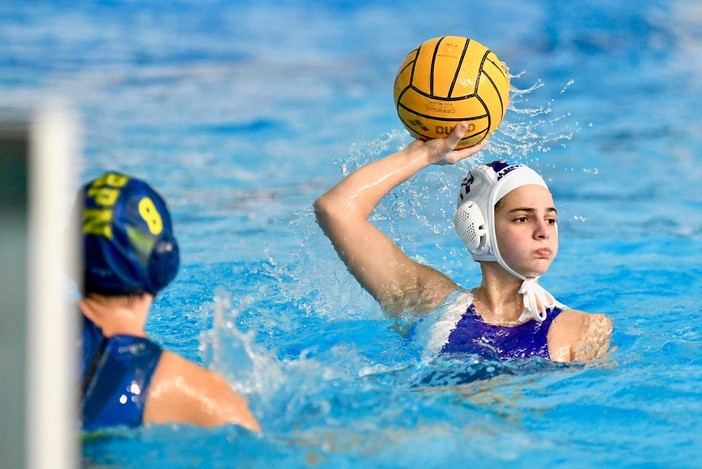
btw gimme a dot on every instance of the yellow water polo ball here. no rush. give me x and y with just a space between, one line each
447 80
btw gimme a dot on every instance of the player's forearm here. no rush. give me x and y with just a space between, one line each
363 189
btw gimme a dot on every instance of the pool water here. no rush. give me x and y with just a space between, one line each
242 113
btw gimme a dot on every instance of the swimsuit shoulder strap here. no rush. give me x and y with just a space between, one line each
438 324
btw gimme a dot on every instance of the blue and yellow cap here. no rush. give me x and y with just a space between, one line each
128 240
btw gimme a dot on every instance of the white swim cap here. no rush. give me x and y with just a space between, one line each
474 220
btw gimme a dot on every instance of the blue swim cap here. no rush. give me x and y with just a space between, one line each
128 241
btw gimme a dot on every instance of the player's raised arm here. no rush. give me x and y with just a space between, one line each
397 282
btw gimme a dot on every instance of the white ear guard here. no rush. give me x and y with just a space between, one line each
471 227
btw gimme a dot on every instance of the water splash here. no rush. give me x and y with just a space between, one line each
532 128
280 392
315 282
234 353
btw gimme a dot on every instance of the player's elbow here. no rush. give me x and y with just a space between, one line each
320 206
608 327
324 210
602 326
598 336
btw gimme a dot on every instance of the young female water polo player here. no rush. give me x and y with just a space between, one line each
506 218
130 255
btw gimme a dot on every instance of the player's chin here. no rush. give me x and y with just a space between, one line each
538 267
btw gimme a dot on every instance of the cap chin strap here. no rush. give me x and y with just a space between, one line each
535 298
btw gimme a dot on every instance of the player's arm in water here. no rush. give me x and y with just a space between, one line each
579 336
182 391
397 282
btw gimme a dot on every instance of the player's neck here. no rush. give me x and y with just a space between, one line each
497 299
118 315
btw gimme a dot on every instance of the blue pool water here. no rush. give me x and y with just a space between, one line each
242 113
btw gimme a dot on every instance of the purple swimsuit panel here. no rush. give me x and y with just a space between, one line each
473 335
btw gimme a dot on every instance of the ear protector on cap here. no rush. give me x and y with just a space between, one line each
472 218
163 262
128 239
471 227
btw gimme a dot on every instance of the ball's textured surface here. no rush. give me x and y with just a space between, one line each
447 80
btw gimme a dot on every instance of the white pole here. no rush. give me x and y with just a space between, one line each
52 433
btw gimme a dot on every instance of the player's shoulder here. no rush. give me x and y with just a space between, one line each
577 335
576 317
173 364
574 324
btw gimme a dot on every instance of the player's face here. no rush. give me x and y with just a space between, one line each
526 229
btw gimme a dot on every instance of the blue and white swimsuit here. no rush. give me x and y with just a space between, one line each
456 328
117 372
